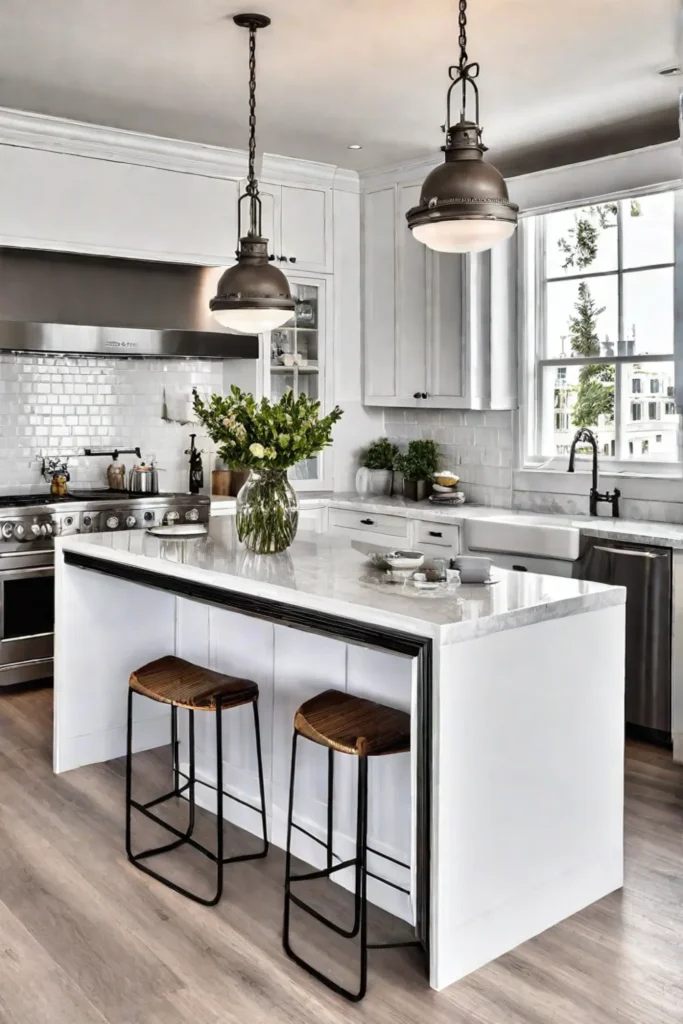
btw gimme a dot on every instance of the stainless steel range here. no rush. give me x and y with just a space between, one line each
28 525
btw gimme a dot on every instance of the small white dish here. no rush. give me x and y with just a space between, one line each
182 531
426 584
397 560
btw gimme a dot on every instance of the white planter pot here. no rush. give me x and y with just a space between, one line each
373 481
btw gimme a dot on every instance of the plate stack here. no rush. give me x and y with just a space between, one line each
445 489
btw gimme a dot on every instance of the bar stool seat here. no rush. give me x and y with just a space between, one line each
176 681
344 724
353 725
181 684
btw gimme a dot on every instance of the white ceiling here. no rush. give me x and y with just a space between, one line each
334 72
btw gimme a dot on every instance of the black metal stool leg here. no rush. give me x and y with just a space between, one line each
219 804
216 857
261 783
360 895
330 805
129 771
175 750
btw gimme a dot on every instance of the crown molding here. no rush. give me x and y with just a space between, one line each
78 138
346 180
591 180
409 171
288 170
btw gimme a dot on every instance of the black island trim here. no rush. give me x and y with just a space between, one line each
324 624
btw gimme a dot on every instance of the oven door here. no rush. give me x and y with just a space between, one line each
27 606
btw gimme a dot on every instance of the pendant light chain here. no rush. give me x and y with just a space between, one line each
252 184
462 40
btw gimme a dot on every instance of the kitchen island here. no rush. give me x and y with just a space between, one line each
509 807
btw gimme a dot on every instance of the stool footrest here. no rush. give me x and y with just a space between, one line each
324 872
346 933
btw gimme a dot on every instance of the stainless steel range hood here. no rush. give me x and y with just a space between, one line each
60 302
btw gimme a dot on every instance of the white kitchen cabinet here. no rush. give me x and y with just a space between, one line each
73 203
298 222
438 328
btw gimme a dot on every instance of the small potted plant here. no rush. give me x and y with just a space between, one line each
418 466
376 472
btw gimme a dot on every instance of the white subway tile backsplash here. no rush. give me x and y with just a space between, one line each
476 445
59 404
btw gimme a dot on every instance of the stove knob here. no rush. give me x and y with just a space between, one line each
130 522
149 516
192 515
69 521
87 520
19 531
112 522
35 530
171 517
7 531
48 529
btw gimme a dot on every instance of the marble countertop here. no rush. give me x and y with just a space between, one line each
633 531
332 574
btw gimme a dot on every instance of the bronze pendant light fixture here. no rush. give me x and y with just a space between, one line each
253 296
464 204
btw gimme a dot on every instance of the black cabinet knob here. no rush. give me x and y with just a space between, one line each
418 394
424 394
292 259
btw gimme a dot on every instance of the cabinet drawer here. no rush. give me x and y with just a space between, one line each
370 522
437 535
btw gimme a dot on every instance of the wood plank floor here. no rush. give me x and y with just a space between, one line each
86 939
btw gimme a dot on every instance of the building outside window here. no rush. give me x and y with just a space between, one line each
601 281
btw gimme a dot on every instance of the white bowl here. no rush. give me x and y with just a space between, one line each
404 559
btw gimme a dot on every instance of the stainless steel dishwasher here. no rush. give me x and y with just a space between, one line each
646 573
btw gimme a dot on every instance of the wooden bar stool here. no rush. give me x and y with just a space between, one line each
184 685
363 729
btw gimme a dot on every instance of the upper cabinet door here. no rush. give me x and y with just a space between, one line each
446 332
306 228
379 297
411 293
80 204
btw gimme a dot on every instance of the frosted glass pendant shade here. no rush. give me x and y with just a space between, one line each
252 321
463 235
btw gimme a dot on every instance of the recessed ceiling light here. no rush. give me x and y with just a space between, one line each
354 145
671 70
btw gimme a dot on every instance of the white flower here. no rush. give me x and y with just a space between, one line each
257 450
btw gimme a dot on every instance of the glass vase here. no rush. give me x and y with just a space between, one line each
267 512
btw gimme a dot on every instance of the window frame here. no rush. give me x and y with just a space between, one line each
532 323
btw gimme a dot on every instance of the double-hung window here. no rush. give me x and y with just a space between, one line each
599 319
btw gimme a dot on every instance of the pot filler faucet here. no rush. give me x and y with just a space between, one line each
588 437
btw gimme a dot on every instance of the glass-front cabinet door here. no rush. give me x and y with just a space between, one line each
296 361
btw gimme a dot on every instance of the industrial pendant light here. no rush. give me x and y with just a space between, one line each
253 296
464 203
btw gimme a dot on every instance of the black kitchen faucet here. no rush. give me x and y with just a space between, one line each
588 437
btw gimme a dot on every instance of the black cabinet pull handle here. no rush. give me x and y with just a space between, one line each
418 394
435 533
520 568
368 522
424 395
